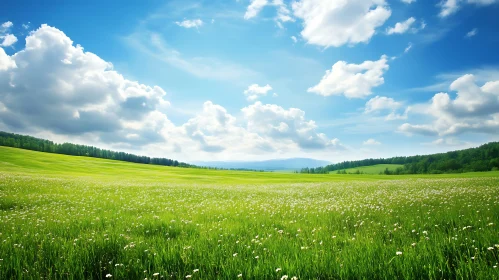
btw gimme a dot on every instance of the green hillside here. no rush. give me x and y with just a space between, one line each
374 169
15 160
480 159
76 217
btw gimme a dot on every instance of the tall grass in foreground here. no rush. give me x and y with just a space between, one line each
91 229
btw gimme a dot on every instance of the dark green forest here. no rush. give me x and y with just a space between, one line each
42 145
483 158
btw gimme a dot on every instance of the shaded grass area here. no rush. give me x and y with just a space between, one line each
373 169
89 218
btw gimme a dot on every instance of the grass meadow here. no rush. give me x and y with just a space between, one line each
374 169
64 217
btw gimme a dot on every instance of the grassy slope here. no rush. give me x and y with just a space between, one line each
64 217
373 169
14 160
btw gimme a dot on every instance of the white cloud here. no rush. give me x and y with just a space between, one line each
408 1
393 116
6 26
379 103
352 80
294 39
472 33
449 7
423 25
79 96
475 109
279 124
371 142
449 142
254 91
408 48
401 27
8 40
76 92
382 104
283 13
190 23
254 8
335 23
6 61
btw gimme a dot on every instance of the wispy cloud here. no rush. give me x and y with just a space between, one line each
408 48
444 80
153 44
190 23
471 33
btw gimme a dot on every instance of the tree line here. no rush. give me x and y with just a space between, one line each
482 158
42 145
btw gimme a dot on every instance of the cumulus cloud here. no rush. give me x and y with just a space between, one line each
273 121
329 23
254 8
208 127
475 109
381 103
352 80
6 26
449 7
190 23
371 142
254 91
53 86
6 39
6 61
63 89
401 27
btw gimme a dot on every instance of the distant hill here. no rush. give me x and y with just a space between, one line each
267 165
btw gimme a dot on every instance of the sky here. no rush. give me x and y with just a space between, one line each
198 80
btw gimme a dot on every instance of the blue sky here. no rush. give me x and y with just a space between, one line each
234 80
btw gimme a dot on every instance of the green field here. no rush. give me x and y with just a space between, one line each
64 217
373 169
